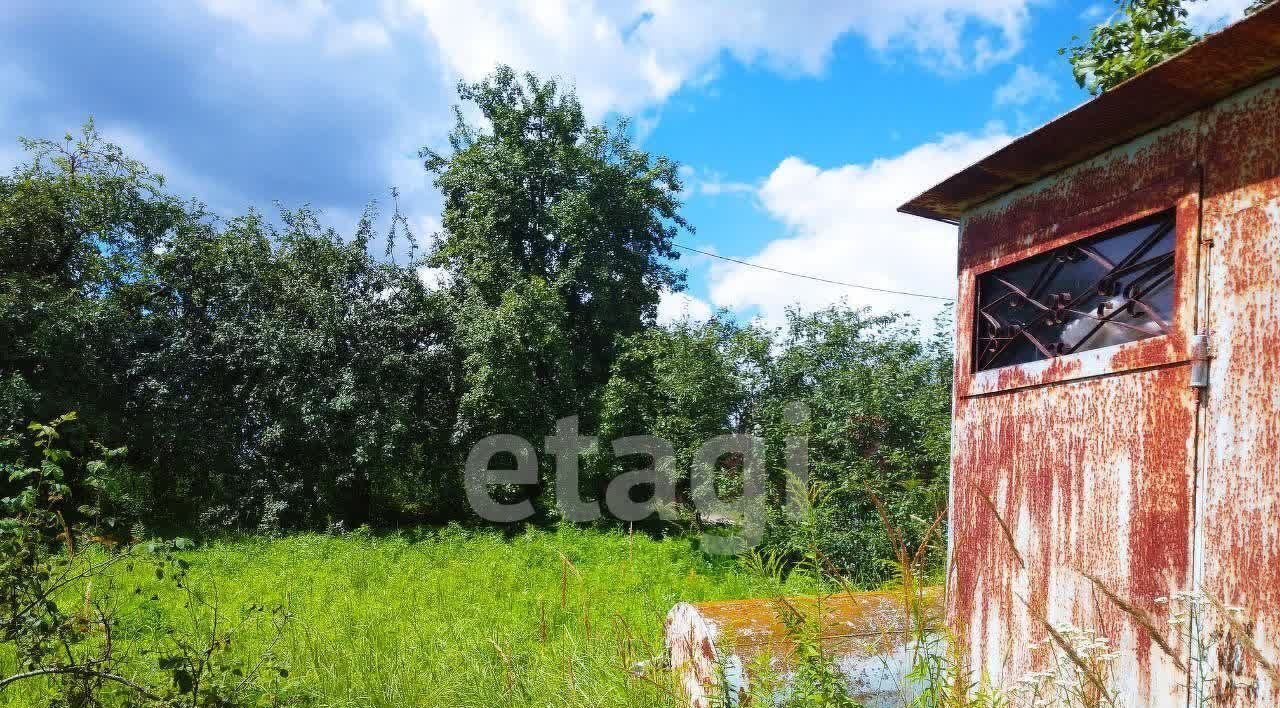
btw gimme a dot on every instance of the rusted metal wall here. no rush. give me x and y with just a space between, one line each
1089 461
1240 487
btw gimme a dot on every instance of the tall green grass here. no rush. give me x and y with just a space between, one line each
445 617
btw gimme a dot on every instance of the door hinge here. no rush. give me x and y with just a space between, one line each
1200 355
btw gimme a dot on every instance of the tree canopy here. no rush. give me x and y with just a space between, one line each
556 234
1140 35
265 372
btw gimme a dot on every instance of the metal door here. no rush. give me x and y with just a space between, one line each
1238 558
1078 465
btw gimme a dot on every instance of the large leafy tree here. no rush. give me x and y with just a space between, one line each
309 377
557 244
79 225
270 372
259 371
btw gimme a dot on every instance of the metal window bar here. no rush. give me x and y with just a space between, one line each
1106 290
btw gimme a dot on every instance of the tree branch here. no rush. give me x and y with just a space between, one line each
78 671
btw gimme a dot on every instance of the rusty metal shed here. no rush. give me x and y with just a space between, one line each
1094 433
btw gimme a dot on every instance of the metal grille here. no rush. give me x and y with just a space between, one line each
1106 290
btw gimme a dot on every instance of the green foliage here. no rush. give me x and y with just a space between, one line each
268 373
556 238
77 227
518 363
260 373
817 681
879 396
1257 5
879 402
1146 33
450 617
685 384
60 625
296 380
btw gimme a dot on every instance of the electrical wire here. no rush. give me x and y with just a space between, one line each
812 277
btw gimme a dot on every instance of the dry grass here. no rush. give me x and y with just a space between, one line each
1245 638
1139 615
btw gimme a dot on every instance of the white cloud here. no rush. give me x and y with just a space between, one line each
434 278
1026 86
1094 12
298 20
424 226
362 35
1211 15
17 84
674 307
288 19
712 183
716 187
843 225
630 55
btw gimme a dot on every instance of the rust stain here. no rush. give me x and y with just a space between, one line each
1107 460
1018 377
1241 504
1091 458
861 623
1099 193
1094 475
1242 149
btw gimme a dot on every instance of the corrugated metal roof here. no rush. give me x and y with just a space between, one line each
1222 64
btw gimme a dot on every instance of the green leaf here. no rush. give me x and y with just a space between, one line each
182 678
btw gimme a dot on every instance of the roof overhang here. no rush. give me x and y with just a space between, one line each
1220 65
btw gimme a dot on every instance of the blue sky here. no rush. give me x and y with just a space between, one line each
801 125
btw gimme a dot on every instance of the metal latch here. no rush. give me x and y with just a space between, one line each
1200 360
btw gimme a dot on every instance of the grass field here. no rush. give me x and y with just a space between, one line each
443 618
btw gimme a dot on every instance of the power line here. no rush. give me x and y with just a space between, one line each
811 277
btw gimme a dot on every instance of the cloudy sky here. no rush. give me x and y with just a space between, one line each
801 125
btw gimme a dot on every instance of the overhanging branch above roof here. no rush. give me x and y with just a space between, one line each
1222 64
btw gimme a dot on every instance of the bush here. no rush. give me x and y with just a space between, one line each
59 610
